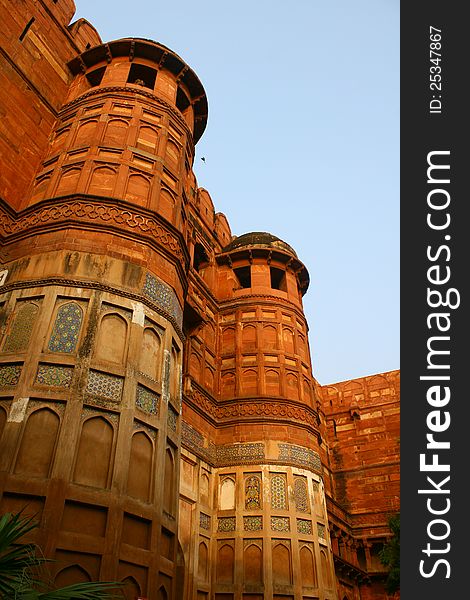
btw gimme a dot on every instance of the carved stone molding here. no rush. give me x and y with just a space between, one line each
100 213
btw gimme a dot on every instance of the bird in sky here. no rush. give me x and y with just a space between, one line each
203 158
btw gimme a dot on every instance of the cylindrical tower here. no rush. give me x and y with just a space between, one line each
263 525
94 278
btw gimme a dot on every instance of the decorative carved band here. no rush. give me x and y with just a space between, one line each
249 409
97 213
251 453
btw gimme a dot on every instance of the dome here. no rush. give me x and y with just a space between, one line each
259 239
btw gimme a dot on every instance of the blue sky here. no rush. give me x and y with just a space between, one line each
302 141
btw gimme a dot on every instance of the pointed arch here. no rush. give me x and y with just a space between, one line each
202 562
166 205
139 478
86 132
249 382
269 337
248 338
19 336
307 567
68 181
272 381
228 385
38 444
253 564
93 464
112 338
70 575
150 354
102 181
116 133
169 484
137 189
282 569
131 588
225 564
147 139
227 494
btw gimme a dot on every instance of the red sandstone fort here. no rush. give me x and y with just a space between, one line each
158 411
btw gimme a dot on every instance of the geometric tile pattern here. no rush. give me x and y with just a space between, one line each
66 329
300 494
58 375
204 521
278 492
172 417
146 400
164 296
252 493
21 329
226 524
104 385
234 453
299 456
280 524
9 374
252 523
321 531
304 526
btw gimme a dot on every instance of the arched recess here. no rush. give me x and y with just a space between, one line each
227 494
288 339
228 385
249 382
228 340
112 339
150 358
139 479
272 382
102 181
137 189
324 568
41 187
248 338
131 589
68 182
86 133
202 562
282 570
147 139
3 420
225 562
253 564
307 567
204 489
116 133
60 139
180 573
209 378
175 375
38 444
302 346
172 154
292 387
94 461
169 483
195 366
166 205
269 337
70 575
162 593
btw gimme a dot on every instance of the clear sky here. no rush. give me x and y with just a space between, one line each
302 141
